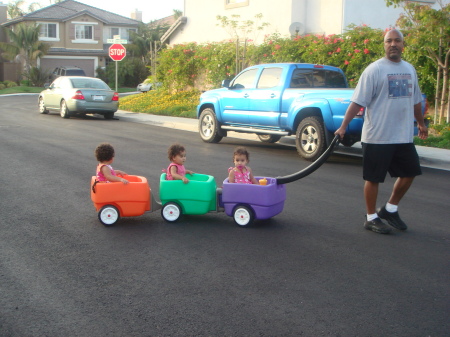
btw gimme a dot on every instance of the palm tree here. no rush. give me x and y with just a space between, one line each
24 44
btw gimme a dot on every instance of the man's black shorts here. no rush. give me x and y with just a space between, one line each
400 160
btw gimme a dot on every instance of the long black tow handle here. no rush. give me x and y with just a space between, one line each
311 168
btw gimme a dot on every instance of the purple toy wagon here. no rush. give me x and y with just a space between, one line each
247 202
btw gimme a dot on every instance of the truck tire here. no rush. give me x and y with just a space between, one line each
208 127
310 138
269 138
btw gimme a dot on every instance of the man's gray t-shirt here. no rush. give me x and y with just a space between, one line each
389 90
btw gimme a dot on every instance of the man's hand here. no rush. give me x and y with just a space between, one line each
423 132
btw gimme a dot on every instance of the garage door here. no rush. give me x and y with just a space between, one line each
88 64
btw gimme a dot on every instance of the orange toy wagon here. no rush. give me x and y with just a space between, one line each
114 199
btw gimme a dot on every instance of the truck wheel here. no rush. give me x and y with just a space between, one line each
269 138
310 138
209 127
109 215
243 216
171 212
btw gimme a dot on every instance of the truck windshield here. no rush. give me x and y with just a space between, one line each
317 78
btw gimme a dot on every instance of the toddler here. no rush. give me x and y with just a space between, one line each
105 173
241 173
176 169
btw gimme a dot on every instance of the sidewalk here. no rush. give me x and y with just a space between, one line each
429 156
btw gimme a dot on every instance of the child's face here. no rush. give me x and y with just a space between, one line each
180 158
240 160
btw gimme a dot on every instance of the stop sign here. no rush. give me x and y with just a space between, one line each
117 52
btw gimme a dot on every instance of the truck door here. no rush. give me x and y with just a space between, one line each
236 100
265 99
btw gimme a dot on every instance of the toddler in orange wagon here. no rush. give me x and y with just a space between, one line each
105 173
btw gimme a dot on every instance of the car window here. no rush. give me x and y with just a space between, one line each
317 78
270 78
88 83
244 80
75 72
65 83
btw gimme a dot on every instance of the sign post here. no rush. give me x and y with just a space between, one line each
117 51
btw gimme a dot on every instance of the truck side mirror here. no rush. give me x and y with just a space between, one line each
226 83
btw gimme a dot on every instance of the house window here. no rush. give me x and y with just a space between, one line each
48 31
236 3
113 31
84 32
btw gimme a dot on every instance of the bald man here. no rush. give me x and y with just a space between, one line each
389 90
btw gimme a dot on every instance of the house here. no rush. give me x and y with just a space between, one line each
285 17
78 34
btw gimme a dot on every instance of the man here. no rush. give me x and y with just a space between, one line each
389 90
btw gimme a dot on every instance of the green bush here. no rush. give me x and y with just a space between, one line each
37 77
10 84
2 86
131 72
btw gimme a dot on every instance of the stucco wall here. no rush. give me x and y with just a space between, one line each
317 16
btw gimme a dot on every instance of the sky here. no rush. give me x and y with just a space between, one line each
151 9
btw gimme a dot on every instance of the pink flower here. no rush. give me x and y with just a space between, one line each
270 42
346 62
338 50
354 44
277 46
366 41
366 51
273 53
357 50
265 55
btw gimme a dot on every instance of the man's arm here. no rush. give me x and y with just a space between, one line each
423 130
351 112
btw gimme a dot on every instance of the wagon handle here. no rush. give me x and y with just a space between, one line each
311 168
93 185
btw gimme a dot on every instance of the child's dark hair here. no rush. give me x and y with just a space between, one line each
240 150
174 150
104 152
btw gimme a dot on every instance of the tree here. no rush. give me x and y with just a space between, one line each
15 8
240 31
428 30
24 44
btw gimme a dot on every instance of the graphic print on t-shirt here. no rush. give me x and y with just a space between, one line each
400 85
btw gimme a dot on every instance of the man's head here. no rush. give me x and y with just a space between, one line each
393 45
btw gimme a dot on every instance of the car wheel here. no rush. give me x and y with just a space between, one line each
243 216
269 138
42 108
108 115
209 127
171 212
108 215
310 138
64 110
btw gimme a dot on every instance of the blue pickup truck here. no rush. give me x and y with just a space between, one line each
281 99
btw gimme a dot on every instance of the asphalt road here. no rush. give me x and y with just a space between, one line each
310 271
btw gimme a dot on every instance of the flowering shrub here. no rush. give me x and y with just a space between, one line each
205 66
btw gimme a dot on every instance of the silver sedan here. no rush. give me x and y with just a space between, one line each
74 94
